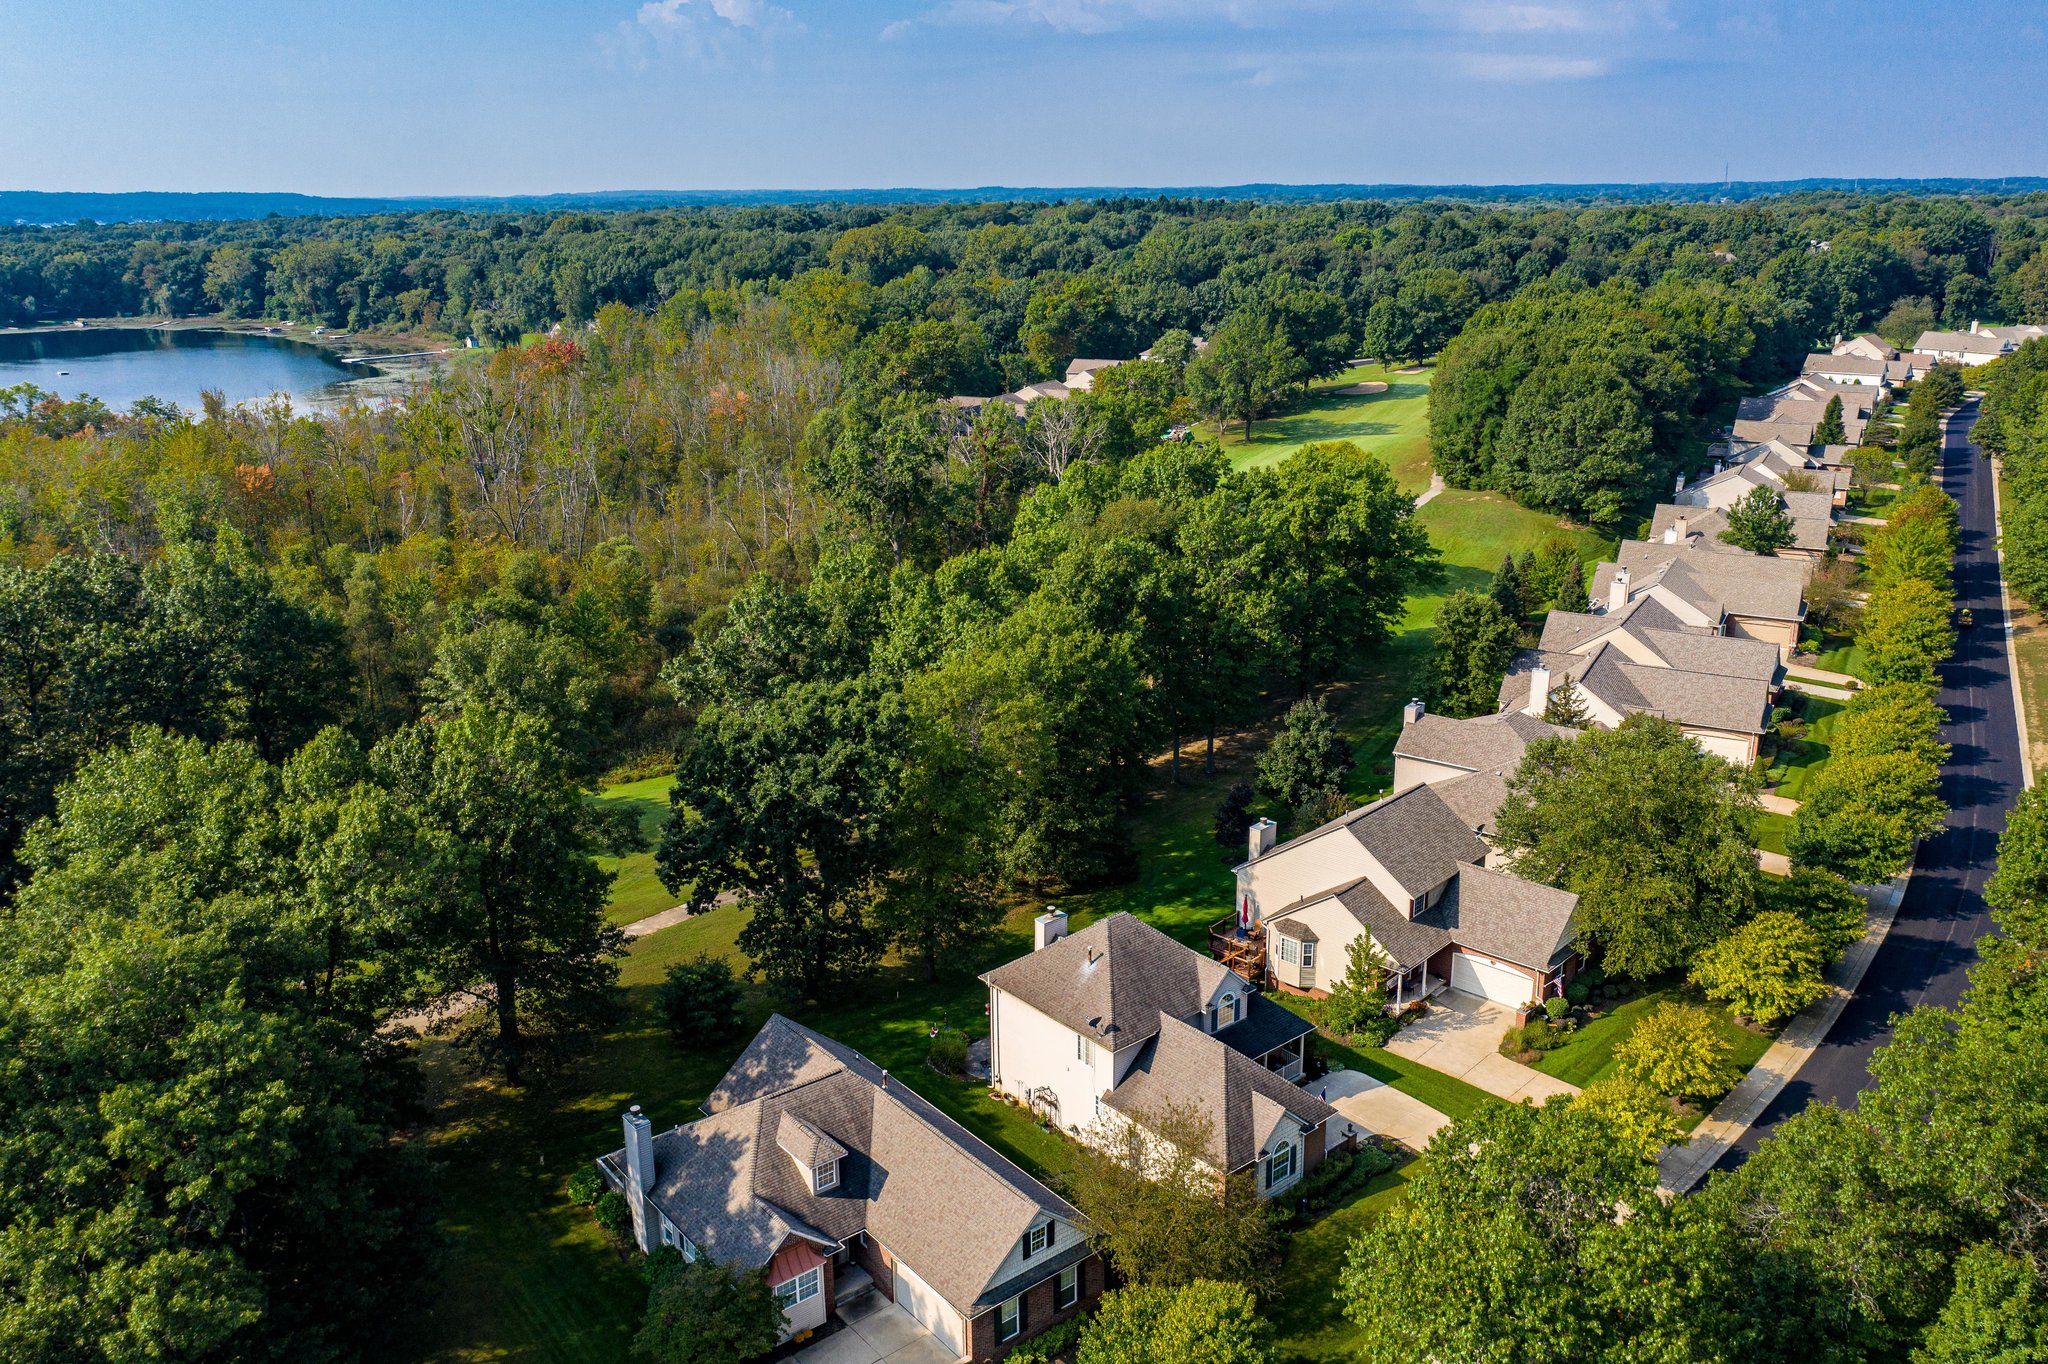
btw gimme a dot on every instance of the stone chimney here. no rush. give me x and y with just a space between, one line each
1539 691
1048 928
640 1174
1412 712
1617 590
1263 834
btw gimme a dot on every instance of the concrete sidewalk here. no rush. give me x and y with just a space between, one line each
1681 1167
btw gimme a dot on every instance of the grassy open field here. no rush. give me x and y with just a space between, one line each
529 1278
1393 424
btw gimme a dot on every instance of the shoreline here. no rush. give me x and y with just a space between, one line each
379 380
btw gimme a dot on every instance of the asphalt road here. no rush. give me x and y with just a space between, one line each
1926 957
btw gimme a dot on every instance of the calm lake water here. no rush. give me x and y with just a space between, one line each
117 365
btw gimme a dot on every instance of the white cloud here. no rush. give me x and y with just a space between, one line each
1103 16
1526 19
702 30
1517 66
896 30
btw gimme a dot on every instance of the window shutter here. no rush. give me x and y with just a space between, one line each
1050 1227
1027 1243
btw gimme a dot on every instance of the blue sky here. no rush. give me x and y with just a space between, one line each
532 96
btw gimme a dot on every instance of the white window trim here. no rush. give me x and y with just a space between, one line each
1293 1165
1231 1006
824 1176
1080 1047
1308 956
1038 1238
1015 1307
1066 1291
790 1292
1287 949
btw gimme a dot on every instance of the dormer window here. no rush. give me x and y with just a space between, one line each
1226 1013
1418 904
824 1175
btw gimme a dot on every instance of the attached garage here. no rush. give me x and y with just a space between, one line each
1490 980
918 1298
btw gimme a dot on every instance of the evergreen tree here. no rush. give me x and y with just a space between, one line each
1828 430
1475 641
1571 590
1566 706
1525 579
1507 589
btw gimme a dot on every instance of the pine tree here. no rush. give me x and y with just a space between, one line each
1571 592
1507 588
1525 580
1566 707
1828 431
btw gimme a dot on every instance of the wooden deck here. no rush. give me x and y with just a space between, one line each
1244 953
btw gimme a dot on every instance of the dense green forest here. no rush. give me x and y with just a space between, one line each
298 711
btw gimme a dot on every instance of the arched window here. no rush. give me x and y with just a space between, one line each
1227 1015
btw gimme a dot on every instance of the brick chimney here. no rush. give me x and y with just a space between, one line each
1539 691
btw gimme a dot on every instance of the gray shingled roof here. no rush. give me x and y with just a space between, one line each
1263 1026
1475 797
805 1144
1744 584
1845 363
1296 929
1505 916
1707 700
1242 1099
1721 655
1408 941
1488 743
1564 631
1417 838
907 1173
1112 980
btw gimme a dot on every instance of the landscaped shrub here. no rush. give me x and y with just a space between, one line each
1557 1007
1538 1035
585 1186
612 1213
1342 1174
1049 1346
660 1263
1576 992
701 1000
948 1055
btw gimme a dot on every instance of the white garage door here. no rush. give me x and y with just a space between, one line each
1500 984
916 1297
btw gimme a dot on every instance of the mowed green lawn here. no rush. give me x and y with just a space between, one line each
530 1278
1304 1306
1589 1057
1393 424
636 891
1821 716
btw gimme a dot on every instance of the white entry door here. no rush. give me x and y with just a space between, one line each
1501 984
916 1297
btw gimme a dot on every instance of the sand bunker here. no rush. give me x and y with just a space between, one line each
1360 390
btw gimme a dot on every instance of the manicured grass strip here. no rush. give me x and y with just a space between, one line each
1846 658
1802 768
1771 830
636 892
1304 1308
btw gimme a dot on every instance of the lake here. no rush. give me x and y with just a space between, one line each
117 365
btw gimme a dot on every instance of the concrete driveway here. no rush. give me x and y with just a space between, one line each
877 1330
1460 1036
1378 1108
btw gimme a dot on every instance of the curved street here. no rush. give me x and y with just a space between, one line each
1926 957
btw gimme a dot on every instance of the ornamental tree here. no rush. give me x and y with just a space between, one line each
1758 522
701 1309
1768 969
1201 1322
1678 1050
1862 816
1474 643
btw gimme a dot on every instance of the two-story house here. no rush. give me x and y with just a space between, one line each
1119 1021
1409 874
813 1162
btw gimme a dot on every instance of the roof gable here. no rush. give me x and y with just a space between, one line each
1113 979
